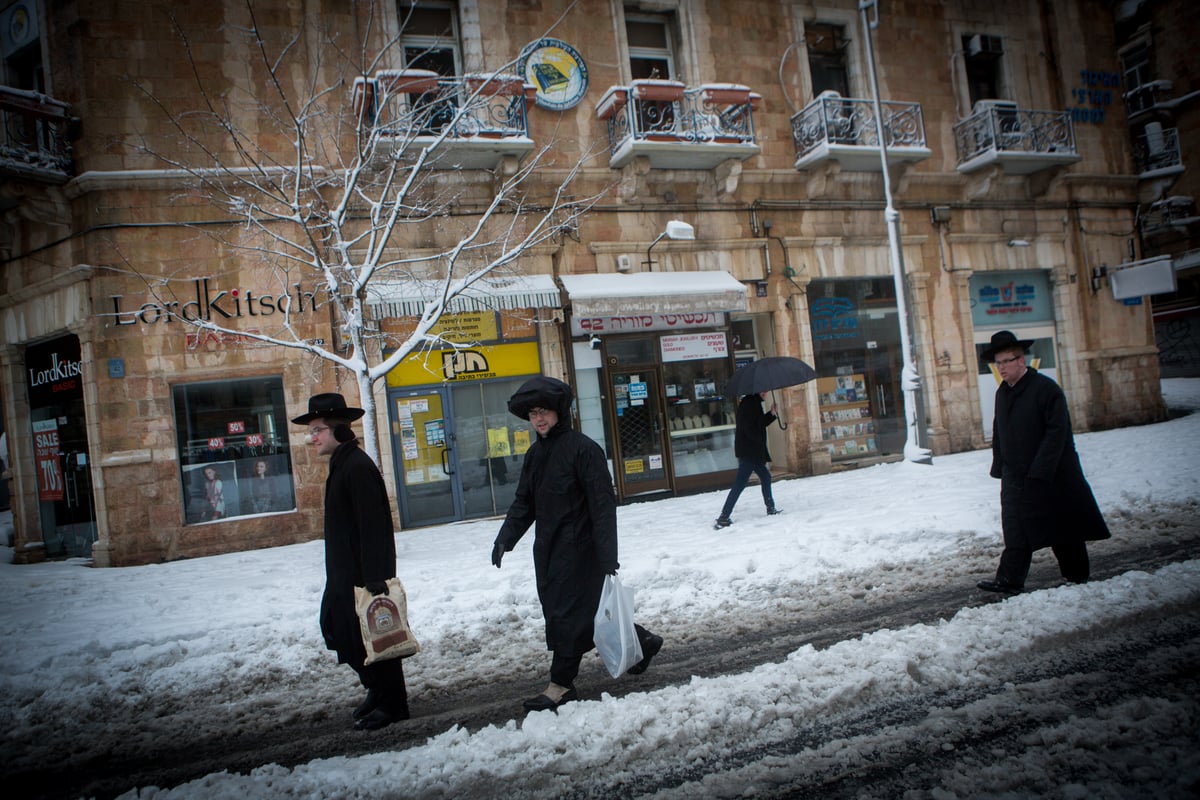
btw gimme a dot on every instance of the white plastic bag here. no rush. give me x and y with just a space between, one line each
615 637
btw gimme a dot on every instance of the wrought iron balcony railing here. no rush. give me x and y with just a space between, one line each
1157 152
833 127
1146 96
1170 215
677 127
483 117
33 135
1021 140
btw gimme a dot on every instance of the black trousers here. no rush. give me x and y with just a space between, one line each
386 678
564 669
1072 558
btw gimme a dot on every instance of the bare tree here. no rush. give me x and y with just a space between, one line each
364 174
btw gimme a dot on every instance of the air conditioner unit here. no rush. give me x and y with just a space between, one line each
18 26
1154 138
1003 106
981 45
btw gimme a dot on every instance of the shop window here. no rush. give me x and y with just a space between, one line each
700 415
858 358
233 449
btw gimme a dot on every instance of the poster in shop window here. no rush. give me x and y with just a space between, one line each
45 453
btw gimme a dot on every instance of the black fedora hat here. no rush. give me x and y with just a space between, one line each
329 405
1004 340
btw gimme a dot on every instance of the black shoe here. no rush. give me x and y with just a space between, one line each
543 702
650 649
998 586
379 718
368 705
722 522
772 511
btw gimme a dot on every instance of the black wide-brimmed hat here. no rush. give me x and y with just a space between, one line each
542 392
329 405
1004 340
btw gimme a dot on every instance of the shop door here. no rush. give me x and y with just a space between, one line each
426 461
882 369
641 435
59 429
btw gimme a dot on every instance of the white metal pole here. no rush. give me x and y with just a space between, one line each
915 445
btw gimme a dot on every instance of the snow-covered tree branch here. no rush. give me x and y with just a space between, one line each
329 168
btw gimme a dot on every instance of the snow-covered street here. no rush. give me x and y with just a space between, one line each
837 650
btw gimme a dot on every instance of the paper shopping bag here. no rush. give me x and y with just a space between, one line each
383 620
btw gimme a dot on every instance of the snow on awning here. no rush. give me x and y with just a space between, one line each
408 298
617 294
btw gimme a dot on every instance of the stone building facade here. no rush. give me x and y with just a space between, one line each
740 212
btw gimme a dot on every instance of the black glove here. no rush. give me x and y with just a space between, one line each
377 587
610 569
497 554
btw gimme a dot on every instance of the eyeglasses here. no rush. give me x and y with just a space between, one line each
539 412
1004 362
313 431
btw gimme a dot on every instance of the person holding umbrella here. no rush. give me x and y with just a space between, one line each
752 383
750 447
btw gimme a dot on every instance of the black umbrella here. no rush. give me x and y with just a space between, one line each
765 374
768 374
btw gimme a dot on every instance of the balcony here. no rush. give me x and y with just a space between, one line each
34 136
1020 140
675 127
479 119
1170 217
1157 153
842 129
1147 97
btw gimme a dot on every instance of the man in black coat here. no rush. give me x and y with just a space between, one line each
565 488
750 448
1045 500
360 550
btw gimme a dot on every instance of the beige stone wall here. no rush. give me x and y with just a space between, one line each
127 230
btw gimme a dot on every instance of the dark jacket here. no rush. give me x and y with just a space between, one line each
750 435
565 488
1044 497
360 545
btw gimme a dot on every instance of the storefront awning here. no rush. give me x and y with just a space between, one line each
618 294
408 298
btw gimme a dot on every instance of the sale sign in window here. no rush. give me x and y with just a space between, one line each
45 453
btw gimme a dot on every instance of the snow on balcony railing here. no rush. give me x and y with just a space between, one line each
33 134
1157 150
668 111
833 119
411 102
1005 128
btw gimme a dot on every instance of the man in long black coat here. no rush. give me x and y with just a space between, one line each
565 488
360 550
1045 500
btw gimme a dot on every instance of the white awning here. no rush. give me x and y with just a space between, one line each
617 294
408 298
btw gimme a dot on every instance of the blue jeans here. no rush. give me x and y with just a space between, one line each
745 467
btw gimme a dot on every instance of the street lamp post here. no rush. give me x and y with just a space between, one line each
916 447
677 231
